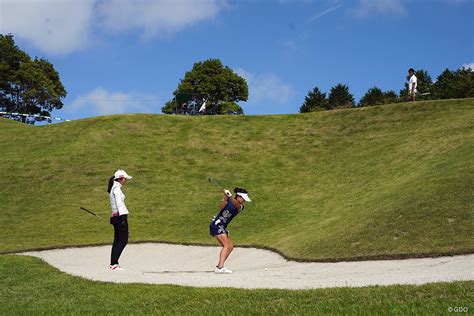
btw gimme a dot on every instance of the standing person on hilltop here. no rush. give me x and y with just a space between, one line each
119 218
412 84
230 207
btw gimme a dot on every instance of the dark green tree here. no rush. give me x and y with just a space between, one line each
390 96
340 97
314 101
210 80
454 84
464 84
443 87
29 86
230 108
374 96
169 106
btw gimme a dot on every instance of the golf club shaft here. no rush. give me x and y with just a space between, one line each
90 212
214 182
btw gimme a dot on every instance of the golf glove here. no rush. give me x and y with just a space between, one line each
228 193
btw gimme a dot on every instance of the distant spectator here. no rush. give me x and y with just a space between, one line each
184 108
202 109
412 84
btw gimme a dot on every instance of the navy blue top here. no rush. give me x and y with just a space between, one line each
226 215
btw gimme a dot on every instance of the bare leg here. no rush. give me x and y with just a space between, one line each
227 248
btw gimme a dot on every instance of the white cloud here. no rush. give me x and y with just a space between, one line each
456 2
102 102
266 87
289 44
368 7
471 65
53 26
65 26
323 13
292 47
294 1
156 17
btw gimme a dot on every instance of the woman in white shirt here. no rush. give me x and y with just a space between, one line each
119 218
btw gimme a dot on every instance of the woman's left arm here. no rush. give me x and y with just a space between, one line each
232 200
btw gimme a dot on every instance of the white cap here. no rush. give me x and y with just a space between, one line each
245 196
121 174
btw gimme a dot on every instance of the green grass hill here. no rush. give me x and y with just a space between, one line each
386 181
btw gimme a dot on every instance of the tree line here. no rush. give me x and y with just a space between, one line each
448 85
32 86
30 89
28 86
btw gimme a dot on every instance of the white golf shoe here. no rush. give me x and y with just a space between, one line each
222 270
116 267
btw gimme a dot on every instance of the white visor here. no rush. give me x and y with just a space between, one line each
245 196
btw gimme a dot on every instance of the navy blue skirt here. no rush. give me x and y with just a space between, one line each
217 229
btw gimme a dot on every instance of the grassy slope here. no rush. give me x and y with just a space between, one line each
29 286
342 184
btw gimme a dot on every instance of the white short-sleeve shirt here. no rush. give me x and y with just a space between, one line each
412 83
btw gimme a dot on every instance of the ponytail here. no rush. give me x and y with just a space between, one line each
111 183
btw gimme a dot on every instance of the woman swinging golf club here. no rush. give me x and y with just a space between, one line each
119 216
230 207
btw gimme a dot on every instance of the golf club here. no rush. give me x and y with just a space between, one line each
90 212
214 182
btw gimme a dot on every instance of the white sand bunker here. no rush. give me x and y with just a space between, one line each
253 268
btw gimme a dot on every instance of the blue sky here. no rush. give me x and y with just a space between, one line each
118 56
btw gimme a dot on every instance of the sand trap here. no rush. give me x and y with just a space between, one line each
253 268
